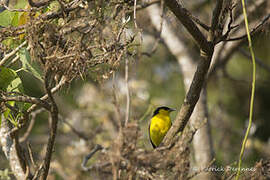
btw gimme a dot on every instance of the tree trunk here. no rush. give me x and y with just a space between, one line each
11 149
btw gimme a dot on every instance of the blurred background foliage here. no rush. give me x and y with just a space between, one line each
87 104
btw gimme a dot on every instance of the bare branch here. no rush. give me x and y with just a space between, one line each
12 53
53 129
194 91
254 30
62 82
183 16
31 155
221 61
198 21
26 99
216 13
229 27
89 156
31 125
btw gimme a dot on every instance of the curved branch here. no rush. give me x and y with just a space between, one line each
53 129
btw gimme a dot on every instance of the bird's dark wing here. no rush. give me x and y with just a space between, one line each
154 146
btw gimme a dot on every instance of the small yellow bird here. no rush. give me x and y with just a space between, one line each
159 125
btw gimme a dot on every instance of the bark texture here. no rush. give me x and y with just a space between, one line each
11 149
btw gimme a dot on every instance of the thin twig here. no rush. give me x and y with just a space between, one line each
229 27
89 156
31 125
198 21
259 26
53 90
37 173
31 155
16 58
127 92
12 53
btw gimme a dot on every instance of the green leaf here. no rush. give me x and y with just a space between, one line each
10 82
6 18
30 66
15 19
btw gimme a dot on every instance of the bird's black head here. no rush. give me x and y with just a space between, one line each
162 108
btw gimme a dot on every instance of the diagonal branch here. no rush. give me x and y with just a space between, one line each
183 16
89 156
199 77
12 53
216 13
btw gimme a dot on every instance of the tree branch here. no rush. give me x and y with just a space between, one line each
194 91
253 31
26 99
62 82
190 101
89 156
53 129
12 53
183 16
216 13
202 143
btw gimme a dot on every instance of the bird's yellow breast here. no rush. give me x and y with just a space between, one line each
159 126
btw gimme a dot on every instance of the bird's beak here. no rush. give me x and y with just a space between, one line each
172 109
